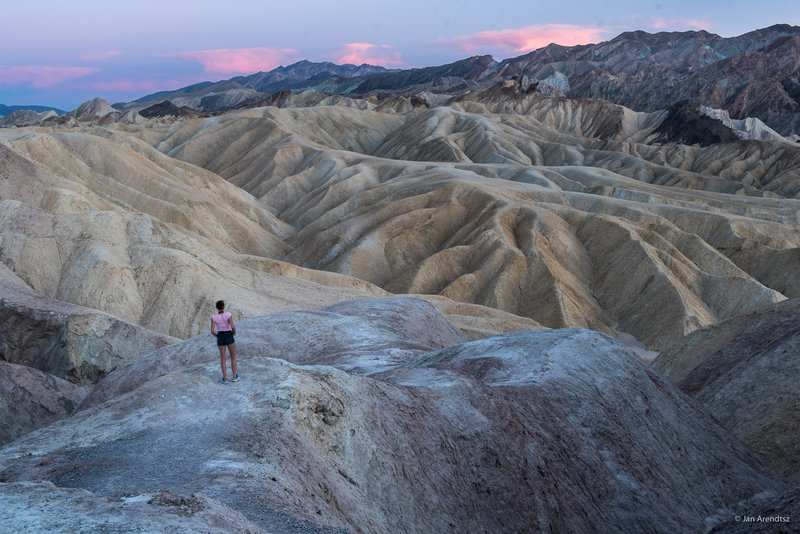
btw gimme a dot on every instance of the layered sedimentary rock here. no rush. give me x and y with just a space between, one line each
504 208
71 342
125 230
388 434
469 218
556 210
744 371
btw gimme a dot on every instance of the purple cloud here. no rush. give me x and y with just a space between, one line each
359 53
528 38
237 60
41 76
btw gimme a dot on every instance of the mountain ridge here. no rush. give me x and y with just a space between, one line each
7 110
756 74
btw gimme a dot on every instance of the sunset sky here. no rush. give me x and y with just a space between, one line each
63 53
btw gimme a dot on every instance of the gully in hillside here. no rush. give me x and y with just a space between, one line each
222 326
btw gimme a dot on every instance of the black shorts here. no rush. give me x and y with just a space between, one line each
225 338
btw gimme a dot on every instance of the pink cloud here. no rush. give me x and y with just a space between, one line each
359 53
527 39
41 76
661 23
237 60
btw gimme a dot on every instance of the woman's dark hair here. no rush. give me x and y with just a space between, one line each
220 304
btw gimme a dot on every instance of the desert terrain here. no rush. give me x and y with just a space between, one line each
498 310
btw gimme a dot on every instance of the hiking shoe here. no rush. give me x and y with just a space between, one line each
223 380
235 378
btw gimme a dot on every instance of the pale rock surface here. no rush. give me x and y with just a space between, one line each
62 350
745 372
482 436
35 507
361 336
477 321
749 128
523 240
132 117
146 240
93 109
506 199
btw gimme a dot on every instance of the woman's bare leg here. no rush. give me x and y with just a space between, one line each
222 361
232 351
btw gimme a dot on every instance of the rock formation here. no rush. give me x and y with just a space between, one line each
166 109
766 515
71 342
505 210
374 431
505 198
744 371
30 399
75 510
495 229
750 75
94 109
26 117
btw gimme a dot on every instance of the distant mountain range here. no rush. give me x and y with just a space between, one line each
752 75
7 110
756 74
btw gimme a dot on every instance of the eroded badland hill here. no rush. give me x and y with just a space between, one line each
446 305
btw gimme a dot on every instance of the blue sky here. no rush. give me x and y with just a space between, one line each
63 53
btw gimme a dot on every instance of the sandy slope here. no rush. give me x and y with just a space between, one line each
549 209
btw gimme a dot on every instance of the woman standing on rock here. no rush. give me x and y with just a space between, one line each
222 327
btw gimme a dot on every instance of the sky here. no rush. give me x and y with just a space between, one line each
60 54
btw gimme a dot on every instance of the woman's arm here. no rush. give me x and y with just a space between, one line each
233 328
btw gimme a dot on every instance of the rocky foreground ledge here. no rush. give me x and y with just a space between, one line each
378 416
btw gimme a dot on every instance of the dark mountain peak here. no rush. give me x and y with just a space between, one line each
641 35
663 40
305 74
162 94
752 75
685 123
306 67
755 39
462 74
166 109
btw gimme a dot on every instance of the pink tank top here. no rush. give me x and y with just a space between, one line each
221 320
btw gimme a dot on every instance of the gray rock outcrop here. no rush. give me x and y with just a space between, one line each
69 510
768 515
745 372
524 432
30 399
